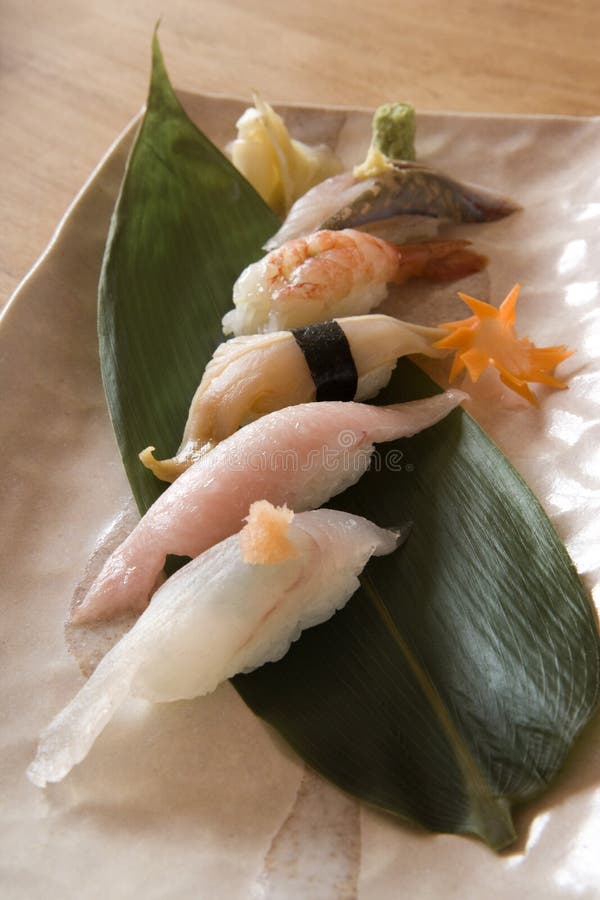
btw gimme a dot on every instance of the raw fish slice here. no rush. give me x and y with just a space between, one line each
251 376
223 613
247 377
406 188
413 189
388 340
301 455
316 206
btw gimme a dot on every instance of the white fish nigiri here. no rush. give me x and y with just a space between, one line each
232 609
251 376
301 456
336 273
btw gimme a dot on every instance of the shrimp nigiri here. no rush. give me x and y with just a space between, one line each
301 456
336 273
232 609
248 377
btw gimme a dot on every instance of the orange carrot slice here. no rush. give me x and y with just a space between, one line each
488 338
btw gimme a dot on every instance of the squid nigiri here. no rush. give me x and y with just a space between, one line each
301 455
399 188
248 377
336 273
232 609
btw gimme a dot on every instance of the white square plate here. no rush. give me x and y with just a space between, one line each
201 798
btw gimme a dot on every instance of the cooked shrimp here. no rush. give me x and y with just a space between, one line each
336 273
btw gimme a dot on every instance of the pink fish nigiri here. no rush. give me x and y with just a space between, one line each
299 456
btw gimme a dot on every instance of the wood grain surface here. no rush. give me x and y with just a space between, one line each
74 72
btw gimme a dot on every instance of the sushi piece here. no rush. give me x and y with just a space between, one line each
336 273
301 455
248 377
400 188
232 609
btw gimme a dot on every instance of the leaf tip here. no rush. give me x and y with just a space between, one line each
157 57
491 820
161 90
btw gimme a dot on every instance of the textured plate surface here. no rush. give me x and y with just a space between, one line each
201 798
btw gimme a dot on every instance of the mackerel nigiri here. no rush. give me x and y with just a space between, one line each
301 456
237 606
336 273
248 377
394 188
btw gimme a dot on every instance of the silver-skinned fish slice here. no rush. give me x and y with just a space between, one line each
406 188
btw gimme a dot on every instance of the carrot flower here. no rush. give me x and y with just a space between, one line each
488 338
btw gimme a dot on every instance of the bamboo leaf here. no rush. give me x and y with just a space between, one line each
184 227
467 663
454 682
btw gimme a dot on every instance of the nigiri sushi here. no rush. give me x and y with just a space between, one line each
336 273
301 455
345 359
399 188
237 606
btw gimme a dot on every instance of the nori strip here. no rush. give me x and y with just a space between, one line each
329 358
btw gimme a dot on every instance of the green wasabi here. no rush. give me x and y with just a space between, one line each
394 128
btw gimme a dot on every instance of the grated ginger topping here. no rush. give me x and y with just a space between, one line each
264 539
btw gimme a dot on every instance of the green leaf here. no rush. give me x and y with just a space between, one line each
184 227
454 682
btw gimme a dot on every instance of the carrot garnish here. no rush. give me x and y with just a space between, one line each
488 338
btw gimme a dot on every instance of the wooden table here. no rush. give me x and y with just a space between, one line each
73 72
